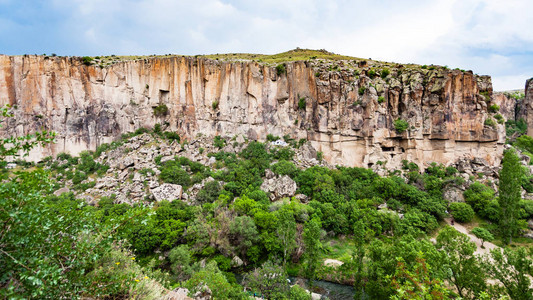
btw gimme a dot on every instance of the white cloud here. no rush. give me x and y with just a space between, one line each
488 36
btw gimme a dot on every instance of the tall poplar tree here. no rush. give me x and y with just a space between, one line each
509 189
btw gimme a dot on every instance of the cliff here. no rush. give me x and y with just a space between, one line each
346 108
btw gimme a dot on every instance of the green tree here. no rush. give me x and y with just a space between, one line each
513 269
270 281
417 283
216 281
286 232
313 246
462 212
463 268
483 234
359 254
510 175
478 196
243 234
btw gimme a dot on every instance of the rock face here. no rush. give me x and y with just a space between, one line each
279 187
341 107
167 191
526 110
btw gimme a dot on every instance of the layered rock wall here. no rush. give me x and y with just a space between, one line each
345 108
526 108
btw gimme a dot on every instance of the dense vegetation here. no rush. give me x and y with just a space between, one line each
379 227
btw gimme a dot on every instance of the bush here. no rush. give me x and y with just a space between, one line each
462 212
214 105
371 73
401 125
79 177
301 103
499 118
512 127
284 167
272 138
284 153
524 143
209 193
381 99
87 60
494 108
281 69
483 234
478 196
161 110
172 172
298 293
385 73
361 91
219 142
173 136
320 155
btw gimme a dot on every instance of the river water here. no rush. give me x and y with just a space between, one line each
332 291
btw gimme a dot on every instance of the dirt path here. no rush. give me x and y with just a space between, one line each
488 246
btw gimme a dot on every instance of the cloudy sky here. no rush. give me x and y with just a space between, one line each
493 37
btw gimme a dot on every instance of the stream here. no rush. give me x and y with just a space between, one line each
332 291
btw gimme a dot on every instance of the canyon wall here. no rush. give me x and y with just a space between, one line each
346 109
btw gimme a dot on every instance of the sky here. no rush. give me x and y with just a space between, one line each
490 37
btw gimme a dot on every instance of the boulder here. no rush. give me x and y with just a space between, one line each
279 187
204 293
61 191
167 191
453 194
333 263
178 294
127 162
236 261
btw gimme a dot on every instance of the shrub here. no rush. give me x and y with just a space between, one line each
284 168
361 91
171 135
381 99
401 125
87 60
499 118
284 153
172 172
490 122
319 155
301 103
385 73
160 110
219 142
281 69
209 193
462 212
272 138
215 104
371 73
485 95
494 108
483 234
478 196
79 177
524 143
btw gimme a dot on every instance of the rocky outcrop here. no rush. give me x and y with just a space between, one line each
167 191
279 187
526 111
346 109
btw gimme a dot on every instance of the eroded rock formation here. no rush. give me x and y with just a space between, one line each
345 108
